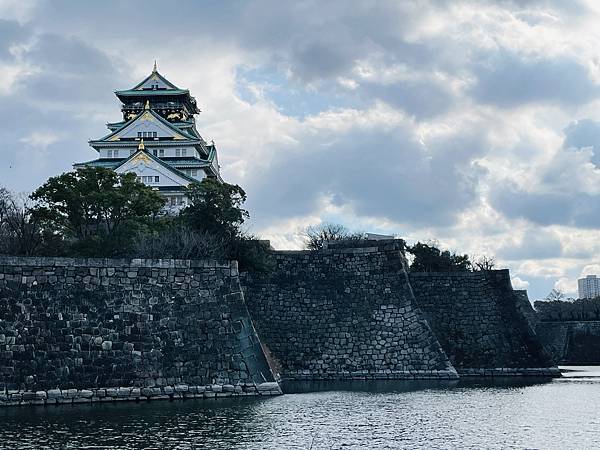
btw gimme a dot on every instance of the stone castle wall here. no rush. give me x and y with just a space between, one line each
356 313
344 313
484 326
570 330
571 342
96 329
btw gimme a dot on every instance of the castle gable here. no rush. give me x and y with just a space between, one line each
153 171
148 125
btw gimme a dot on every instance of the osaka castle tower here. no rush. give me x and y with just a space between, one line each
157 140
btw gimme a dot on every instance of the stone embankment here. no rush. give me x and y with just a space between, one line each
485 327
570 330
95 329
355 313
571 342
344 313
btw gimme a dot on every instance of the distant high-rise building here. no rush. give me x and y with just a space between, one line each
589 287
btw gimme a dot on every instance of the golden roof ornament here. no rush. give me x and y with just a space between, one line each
154 69
141 146
147 105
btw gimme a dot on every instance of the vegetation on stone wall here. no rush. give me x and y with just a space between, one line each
428 258
96 212
425 257
315 236
559 310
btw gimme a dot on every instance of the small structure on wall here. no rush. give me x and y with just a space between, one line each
157 140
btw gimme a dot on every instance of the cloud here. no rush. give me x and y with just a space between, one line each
372 168
508 80
533 244
567 286
582 134
517 283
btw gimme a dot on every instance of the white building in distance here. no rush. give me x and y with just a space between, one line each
589 287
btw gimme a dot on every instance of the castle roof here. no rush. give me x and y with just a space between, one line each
147 115
153 85
144 154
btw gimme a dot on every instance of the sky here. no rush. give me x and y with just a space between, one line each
473 123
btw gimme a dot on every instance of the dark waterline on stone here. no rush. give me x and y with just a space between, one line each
474 413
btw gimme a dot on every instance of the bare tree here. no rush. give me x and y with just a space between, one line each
315 236
555 295
484 263
20 230
179 243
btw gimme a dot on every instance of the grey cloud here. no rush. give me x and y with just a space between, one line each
320 41
548 208
421 98
584 133
538 244
508 80
57 101
376 172
11 32
71 72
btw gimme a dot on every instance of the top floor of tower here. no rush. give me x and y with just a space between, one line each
162 96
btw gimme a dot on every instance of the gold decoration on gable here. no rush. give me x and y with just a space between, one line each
142 157
147 117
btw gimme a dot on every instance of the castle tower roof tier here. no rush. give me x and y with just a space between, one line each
161 93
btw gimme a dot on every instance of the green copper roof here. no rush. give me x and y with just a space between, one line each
106 163
155 76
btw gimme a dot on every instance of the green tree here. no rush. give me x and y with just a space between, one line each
428 258
97 209
215 208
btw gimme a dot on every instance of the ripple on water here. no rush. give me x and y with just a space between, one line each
474 414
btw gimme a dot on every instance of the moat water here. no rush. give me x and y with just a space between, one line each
561 413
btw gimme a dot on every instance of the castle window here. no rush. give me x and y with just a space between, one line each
109 154
139 134
161 152
183 152
154 134
194 172
177 152
116 153
155 152
156 179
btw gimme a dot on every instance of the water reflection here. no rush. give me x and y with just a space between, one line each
517 413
